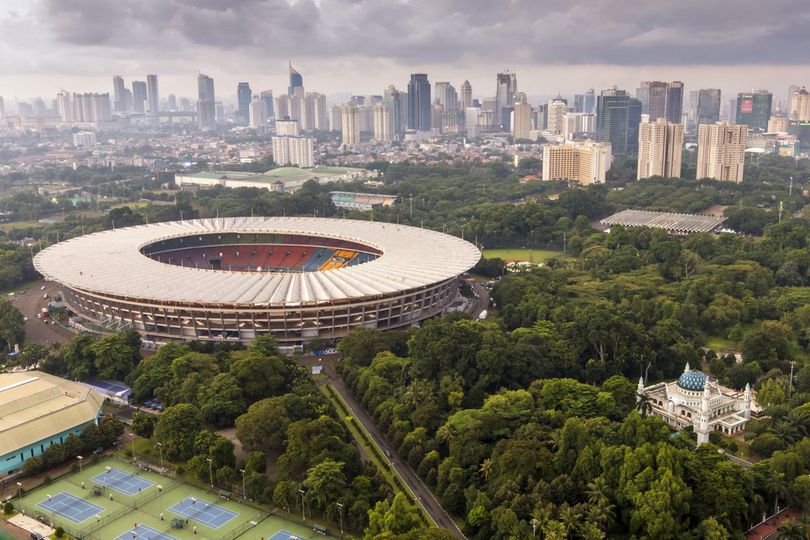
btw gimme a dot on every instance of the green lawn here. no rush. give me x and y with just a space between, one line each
519 254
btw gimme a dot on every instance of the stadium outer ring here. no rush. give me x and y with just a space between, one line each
110 284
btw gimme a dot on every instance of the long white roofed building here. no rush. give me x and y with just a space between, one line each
236 278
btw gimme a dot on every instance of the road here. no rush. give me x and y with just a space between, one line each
423 494
30 304
481 301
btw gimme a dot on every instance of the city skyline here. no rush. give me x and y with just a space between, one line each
735 46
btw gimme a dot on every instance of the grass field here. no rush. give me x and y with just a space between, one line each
20 225
150 507
518 254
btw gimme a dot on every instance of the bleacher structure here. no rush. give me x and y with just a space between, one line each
361 201
673 223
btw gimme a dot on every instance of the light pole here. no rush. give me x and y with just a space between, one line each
340 514
81 470
244 490
211 472
160 449
303 517
19 492
133 447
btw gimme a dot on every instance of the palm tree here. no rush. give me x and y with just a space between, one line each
792 530
570 518
485 469
600 513
419 392
597 489
777 487
541 515
643 405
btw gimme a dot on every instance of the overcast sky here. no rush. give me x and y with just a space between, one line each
361 46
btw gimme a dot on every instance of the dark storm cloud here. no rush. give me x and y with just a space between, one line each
623 32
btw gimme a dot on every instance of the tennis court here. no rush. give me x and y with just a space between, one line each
284 535
145 532
122 481
70 507
203 512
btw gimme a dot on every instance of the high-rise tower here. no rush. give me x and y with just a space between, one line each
296 81
419 106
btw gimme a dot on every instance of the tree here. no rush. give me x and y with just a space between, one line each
12 325
768 344
771 393
264 425
143 424
325 482
176 430
396 517
112 357
221 401
260 377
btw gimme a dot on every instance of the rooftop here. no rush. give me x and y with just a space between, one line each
679 223
281 174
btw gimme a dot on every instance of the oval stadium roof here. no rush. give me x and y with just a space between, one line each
111 263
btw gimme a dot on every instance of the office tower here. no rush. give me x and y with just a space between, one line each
139 96
350 125
397 102
296 151
656 100
643 95
708 109
589 104
578 123
754 109
436 118
505 88
419 104
119 90
243 97
335 118
282 107
555 119
206 103
257 113
799 108
152 93
296 81
172 102
660 145
288 127
466 95
585 163
523 121
219 112
471 122
778 124
617 119
321 120
382 122
579 103
721 151
446 96
267 97
674 110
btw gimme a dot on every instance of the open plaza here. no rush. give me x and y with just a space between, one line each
116 500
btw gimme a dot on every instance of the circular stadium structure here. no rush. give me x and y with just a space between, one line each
233 279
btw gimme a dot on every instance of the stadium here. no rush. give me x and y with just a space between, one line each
233 279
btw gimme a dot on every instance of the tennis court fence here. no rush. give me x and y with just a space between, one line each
249 524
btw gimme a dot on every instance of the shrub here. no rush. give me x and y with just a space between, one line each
59 532
8 507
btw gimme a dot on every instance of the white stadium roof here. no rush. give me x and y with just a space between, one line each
111 263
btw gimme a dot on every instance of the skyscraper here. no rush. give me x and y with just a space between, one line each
172 102
590 102
243 98
754 109
350 128
721 151
446 96
799 106
84 108
382 122
297 151
579 103
674 112
660 145
556 110
419 105
296 81
267 97
506 86
708 108
466 95
152 94
616 120
656 100
139 96
206 103
257 113
523 120
119 91
288 127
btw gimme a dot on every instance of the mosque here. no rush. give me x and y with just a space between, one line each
696 400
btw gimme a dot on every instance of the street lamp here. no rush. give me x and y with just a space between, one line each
19 492
133 448
211 472
340 514
81 470
302 492
244 490
160 449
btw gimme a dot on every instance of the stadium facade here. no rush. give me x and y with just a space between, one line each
233 279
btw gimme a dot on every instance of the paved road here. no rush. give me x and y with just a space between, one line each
481 302
30 304
423 494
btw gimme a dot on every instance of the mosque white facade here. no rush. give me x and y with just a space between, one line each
695 400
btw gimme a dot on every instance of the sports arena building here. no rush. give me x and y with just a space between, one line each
233 279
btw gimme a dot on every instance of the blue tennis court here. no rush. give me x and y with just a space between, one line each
285 535
203 512
70 507
122 481
145 532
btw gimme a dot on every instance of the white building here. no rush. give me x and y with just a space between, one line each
695 400
257 110
382 123
557 109
585 163
288 127
660 145
298 151
522 122
721 151
350 125
84 139
578 123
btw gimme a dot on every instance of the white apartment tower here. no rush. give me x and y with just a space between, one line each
721 151
382 123
257 112
522 123
660 145
297 151
557 109
350 128
585 163
288 127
